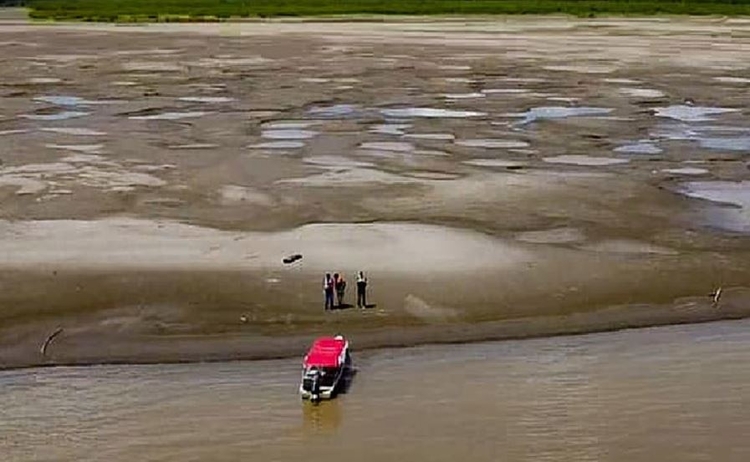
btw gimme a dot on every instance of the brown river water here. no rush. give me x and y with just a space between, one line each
679 393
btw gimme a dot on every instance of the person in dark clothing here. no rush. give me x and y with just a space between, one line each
328 290
340 285
361 290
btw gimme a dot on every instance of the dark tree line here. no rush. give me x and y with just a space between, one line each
12 3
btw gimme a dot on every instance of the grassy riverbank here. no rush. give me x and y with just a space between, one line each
176 10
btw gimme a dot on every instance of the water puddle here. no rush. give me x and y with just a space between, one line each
73 131
639 148
12 132
492 144
84 159
288 134
732 79
495 163
170 116
505 91
474 95
148 66
431 136
390 129
686 171
334 112
642 92
63 115
561 112
735 196
523 80
451 67
583 69
685 113
314 80
44 80
288 124
726 144
278 145
563 99
84 148
426 112
193 147
67 101
390 146
207 99
458 80
587 161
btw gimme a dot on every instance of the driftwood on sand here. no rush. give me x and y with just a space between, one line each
48 340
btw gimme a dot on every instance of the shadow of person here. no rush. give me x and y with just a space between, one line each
323 417
343 306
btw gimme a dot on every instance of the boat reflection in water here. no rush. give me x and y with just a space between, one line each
324 417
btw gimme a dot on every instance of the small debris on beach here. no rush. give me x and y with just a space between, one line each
292 258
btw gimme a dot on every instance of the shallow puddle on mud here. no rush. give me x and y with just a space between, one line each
206 99
560 112
458 96
686 171
647 93
170 116
62 115
278 145
335 111
583 160
726 144
390 129
639 148
67 101
391 146
492 144
686 113
731 211
74 131
288 134
426 112
431 136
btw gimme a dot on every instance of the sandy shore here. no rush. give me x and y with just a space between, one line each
495 179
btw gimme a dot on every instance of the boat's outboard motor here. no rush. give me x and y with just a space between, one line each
315 387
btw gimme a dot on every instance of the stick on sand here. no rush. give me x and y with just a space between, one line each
48 340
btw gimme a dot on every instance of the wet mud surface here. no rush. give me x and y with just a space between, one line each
152 179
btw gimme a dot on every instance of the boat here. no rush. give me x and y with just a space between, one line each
324 366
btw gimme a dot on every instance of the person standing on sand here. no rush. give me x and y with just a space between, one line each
328 291
340 285
361 290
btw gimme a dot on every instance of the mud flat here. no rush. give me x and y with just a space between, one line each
153 180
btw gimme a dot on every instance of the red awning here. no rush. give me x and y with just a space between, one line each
325 352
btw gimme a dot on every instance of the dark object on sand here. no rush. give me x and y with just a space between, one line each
48 340
292 258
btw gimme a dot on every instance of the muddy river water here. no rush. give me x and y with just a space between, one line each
679 393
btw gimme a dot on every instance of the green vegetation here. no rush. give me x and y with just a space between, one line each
169 10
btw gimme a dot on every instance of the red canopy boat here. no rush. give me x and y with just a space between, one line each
323 366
